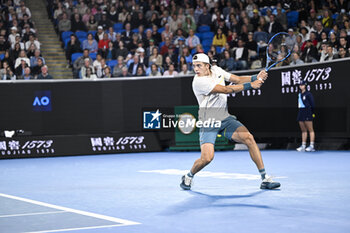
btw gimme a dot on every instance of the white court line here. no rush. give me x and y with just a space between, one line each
74 229
122 222
30 214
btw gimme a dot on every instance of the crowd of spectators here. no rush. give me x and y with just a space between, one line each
19 47
104 38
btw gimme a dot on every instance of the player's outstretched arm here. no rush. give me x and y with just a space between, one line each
245 79
237 88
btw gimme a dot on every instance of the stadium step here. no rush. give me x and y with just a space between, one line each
51 48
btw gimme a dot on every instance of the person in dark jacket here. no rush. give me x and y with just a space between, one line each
306 114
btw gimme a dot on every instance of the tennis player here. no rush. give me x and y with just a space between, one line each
306 106
211 93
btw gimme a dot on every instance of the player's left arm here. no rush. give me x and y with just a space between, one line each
247 79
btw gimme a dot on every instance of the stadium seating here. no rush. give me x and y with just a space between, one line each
75 56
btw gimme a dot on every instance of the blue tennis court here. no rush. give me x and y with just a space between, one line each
133 193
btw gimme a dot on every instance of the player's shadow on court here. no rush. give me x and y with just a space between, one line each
201 200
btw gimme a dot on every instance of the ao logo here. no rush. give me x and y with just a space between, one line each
42 101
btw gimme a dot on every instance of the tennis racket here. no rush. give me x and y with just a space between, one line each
278 50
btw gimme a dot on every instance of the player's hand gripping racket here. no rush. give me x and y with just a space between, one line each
277 50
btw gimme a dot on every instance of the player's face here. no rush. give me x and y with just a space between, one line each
201 68
302 87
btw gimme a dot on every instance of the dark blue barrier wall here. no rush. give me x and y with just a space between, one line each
75 107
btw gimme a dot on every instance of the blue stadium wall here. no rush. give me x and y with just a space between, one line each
76 113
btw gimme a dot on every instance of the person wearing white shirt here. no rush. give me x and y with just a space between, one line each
211 92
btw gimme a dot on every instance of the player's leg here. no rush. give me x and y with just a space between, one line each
310 128
207 140
303 136
242 135
207 155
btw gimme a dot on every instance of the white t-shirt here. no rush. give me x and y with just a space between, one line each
211 105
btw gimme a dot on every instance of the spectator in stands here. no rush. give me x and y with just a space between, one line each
117 70
32 40
142 57
18 40
82 7
327 20
189 25
219 39
140 71
322 51
174 23
90 43
122 51
14 53
342 53
85 18
19 70
58 11
83 71
185 71
296 59
164 48
9 75
4 45
204 18
330 53
192 40
97 63
166 32
133 45
77 24
105 22
111 34
273 26
125 72
99 34
25 21
133 65
312 18
44 73
103 45
79 63
155 34
240 55
155 70
333 40
154 20
187 54
112 15
304 32
64 24
91 24
107 72
12 36
27 74
27 32
227 63
36 70
318 29
251 45
343 43
310 53
89 74
111 53
123 15
33 59
22 56
281 17
166 62
100 70
171 70
73 46
127 34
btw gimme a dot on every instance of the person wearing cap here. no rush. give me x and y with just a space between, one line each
211 93
305 117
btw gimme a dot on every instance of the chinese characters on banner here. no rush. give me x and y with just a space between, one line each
319 79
